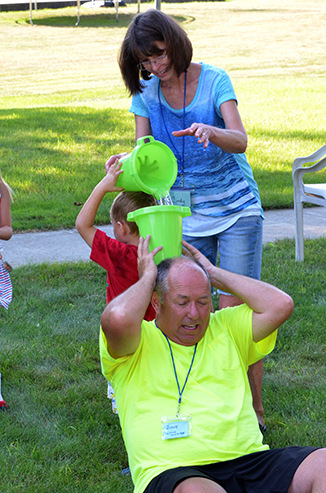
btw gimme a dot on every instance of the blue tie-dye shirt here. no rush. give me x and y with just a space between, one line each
222 184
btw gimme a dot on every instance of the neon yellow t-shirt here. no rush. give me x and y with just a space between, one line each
217 395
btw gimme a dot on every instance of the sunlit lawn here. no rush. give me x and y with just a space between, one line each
64 109
59 433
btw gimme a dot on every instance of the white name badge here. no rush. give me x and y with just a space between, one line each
181 197
176 426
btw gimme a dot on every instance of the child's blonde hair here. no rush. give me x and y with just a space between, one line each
127 202
7 187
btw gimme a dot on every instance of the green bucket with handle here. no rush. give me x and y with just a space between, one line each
151 168
164 224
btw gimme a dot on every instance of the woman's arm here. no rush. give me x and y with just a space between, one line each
233 139
143 127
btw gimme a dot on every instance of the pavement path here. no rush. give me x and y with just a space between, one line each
67 245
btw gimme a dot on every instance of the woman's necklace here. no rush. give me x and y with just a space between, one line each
179 157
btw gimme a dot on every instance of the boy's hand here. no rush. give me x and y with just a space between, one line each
113 159
109 182
86 217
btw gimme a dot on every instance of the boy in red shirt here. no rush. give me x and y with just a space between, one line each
118 256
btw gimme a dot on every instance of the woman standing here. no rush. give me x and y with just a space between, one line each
192 108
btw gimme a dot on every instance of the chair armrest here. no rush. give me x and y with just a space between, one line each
310 169
299 161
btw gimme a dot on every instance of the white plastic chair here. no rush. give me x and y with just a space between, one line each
314 194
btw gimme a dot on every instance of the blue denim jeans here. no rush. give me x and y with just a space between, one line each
240 247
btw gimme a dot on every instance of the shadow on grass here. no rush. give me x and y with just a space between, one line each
53 157
101 19
88 20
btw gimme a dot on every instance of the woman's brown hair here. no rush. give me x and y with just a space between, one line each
139 43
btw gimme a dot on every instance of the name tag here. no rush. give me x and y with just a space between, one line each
176 427
181 197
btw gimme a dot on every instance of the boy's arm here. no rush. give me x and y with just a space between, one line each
271 306
86 217
122 318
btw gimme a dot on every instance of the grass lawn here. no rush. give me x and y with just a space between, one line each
64 109
59 434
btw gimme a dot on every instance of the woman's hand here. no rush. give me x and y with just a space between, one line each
190 251
199 130
232 138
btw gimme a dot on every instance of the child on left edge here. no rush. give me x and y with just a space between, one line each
5 234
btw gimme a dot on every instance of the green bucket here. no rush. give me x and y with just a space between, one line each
164 224
151 168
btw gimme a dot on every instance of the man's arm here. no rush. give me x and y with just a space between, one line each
86 217
122 318
271 306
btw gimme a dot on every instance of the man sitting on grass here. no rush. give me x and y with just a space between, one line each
181 382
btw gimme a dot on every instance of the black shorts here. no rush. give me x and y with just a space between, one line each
270 471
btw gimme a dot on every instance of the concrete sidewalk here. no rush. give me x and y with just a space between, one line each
67 245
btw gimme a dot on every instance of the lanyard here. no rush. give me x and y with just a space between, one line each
176 376
180 158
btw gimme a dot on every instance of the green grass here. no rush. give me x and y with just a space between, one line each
294 387
59 433
60 162
64 109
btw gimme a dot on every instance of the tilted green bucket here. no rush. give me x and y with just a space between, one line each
164 224
151 168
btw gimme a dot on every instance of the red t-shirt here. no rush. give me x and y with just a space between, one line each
120 262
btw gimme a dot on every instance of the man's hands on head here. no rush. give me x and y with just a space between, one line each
190 251
122 318
271 306
146 264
